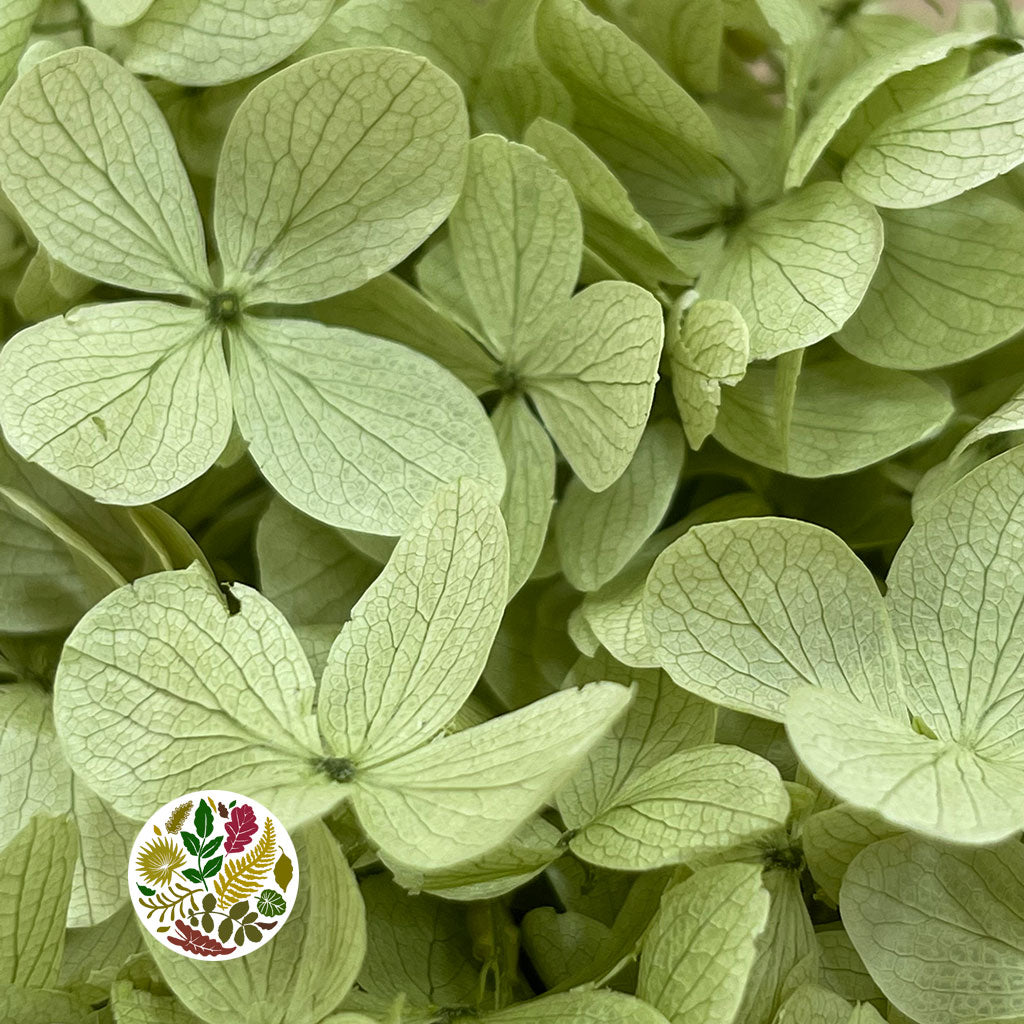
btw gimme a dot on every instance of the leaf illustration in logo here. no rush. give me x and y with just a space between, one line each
194 941
271 903
283 872
177 818
221 809
173 901
146 891
203 820
240 829
159 859
243 876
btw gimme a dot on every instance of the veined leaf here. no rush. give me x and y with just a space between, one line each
419 636
662 720
461 795
596 1007
529 485
939 927
798 269
613 228
693 802
741 612
353 430
593 378
518 239
334 170
964 137
91 165
709 349
35 884
850 92
128 401
833 837
189 693
309 570
946 287
35 777
699 950
598 533
418 946
215 41
15 29
117 13
842 415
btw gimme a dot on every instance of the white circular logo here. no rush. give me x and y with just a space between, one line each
213 874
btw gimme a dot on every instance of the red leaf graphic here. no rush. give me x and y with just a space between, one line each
240 829
194 941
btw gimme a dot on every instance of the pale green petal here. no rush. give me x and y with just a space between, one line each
649 130
870 759
955 593
711 349
208 42
15 27
845 415
456 35
839 105
613 228
390 308
306 970
42 1006
939 927
464 794
48 288
416 945
842 969
91 165
160 690
521 857
964 137
102 949
529 485
517 237
128 401
592 379
598 1007
35 882
35 776
309 571
833 837
355 431
105 838
615 612
947 287
699 950
693 802
598 533
740 612
786 941
797 270
561 944
334 170
662 720
117 13
418 639
814 1004
137 1006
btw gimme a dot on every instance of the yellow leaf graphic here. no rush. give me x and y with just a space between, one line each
242 876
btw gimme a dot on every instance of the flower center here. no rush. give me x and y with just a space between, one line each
223 307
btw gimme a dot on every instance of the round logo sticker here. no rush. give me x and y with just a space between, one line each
213 874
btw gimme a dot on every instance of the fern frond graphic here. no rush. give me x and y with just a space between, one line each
177 818
242 876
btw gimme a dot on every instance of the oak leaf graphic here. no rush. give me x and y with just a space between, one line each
240 829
